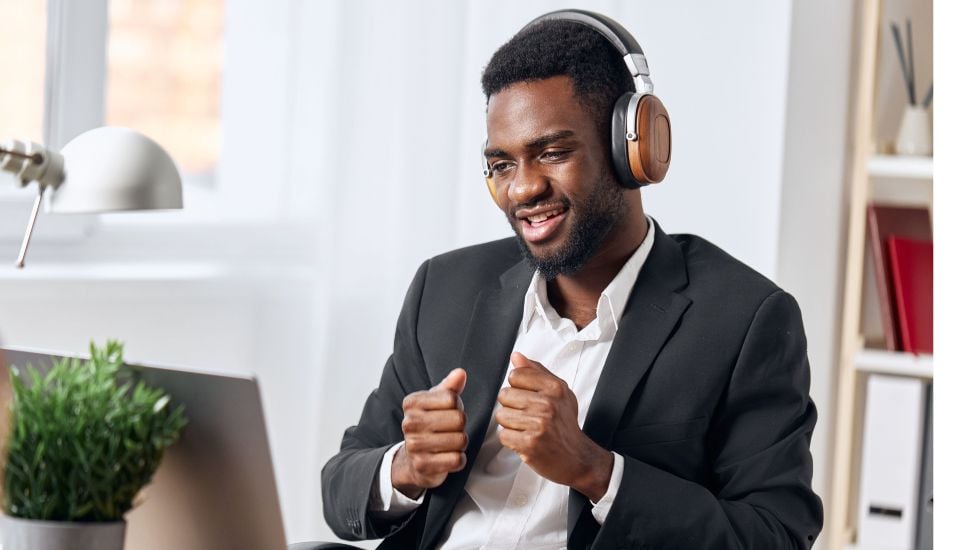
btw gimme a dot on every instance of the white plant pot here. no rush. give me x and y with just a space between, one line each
915 135
30 534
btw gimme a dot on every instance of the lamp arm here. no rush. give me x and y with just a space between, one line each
36 158
32 162
30 229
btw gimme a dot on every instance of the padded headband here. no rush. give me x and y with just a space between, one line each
621 39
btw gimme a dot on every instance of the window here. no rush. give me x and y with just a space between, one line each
23 35
209 80
164 68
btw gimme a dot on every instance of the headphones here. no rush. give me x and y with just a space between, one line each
641 127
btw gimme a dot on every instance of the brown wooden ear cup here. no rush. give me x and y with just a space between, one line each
491 189
646 159
649 155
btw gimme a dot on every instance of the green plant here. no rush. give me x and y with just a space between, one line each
85 438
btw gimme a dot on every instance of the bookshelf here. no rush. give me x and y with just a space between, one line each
902 167
894 362
870 175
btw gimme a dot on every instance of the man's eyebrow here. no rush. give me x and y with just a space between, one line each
540 142
545 141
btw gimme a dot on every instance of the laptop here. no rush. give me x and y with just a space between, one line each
215 488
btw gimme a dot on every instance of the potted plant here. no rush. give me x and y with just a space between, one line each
85 437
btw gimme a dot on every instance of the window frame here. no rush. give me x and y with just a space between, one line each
251 182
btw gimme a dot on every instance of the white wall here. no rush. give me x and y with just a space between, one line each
812 220
383 119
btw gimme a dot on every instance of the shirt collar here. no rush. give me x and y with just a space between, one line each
611 303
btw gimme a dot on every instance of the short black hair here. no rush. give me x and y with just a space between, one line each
557 47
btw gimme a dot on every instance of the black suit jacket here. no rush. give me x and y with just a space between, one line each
704 393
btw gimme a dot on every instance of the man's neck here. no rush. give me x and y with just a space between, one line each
575 296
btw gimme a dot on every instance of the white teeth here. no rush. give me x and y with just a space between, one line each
544 216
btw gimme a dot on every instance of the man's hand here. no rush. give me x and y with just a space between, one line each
434 437
539 416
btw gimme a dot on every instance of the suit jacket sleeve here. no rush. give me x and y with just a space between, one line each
347 478
759 491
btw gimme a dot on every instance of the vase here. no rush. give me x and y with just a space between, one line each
915 135
31 534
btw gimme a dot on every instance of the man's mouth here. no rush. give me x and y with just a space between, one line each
541 226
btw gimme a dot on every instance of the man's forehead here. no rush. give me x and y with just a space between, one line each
555 90
534 108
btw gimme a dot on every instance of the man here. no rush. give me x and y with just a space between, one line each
592 382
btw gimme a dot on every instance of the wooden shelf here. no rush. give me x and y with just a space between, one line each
899 166
894 362
892 179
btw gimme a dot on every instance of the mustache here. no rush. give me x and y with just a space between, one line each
562 203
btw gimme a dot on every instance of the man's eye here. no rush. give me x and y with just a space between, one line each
501 167
553 156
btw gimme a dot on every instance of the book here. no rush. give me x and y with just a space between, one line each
891 467
912 273
902 221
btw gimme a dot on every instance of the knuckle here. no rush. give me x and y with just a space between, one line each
449 419
452 399
409 424
411 401
455 460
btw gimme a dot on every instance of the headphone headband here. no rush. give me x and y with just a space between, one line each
621 39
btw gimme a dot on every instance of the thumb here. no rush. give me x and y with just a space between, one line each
519 360
455 381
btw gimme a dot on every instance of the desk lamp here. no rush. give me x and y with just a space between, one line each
106 169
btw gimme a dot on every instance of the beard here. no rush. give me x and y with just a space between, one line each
594 216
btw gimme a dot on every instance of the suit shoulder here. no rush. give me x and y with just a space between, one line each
486 260
711 269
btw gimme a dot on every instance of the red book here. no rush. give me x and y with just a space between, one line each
902 221
912 266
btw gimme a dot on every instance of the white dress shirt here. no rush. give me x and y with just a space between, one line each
506 504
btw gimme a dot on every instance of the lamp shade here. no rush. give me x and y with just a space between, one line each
112 169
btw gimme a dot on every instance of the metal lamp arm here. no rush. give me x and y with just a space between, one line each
32 162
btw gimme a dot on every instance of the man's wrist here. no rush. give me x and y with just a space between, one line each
401 478
595 481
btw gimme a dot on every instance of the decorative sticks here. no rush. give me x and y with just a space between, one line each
907 63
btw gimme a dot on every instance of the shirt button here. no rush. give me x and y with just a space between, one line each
519 500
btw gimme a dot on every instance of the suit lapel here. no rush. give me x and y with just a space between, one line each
651 314
488 343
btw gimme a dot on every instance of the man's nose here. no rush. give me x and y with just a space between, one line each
528 185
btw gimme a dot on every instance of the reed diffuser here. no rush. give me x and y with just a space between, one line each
915 136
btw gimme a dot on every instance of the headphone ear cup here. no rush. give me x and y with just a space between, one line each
649 154
491 189
646 159
621 164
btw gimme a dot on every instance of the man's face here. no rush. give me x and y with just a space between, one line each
552 174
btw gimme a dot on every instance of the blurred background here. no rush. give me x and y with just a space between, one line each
328 147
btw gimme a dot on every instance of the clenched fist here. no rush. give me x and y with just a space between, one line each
539 414
434 437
